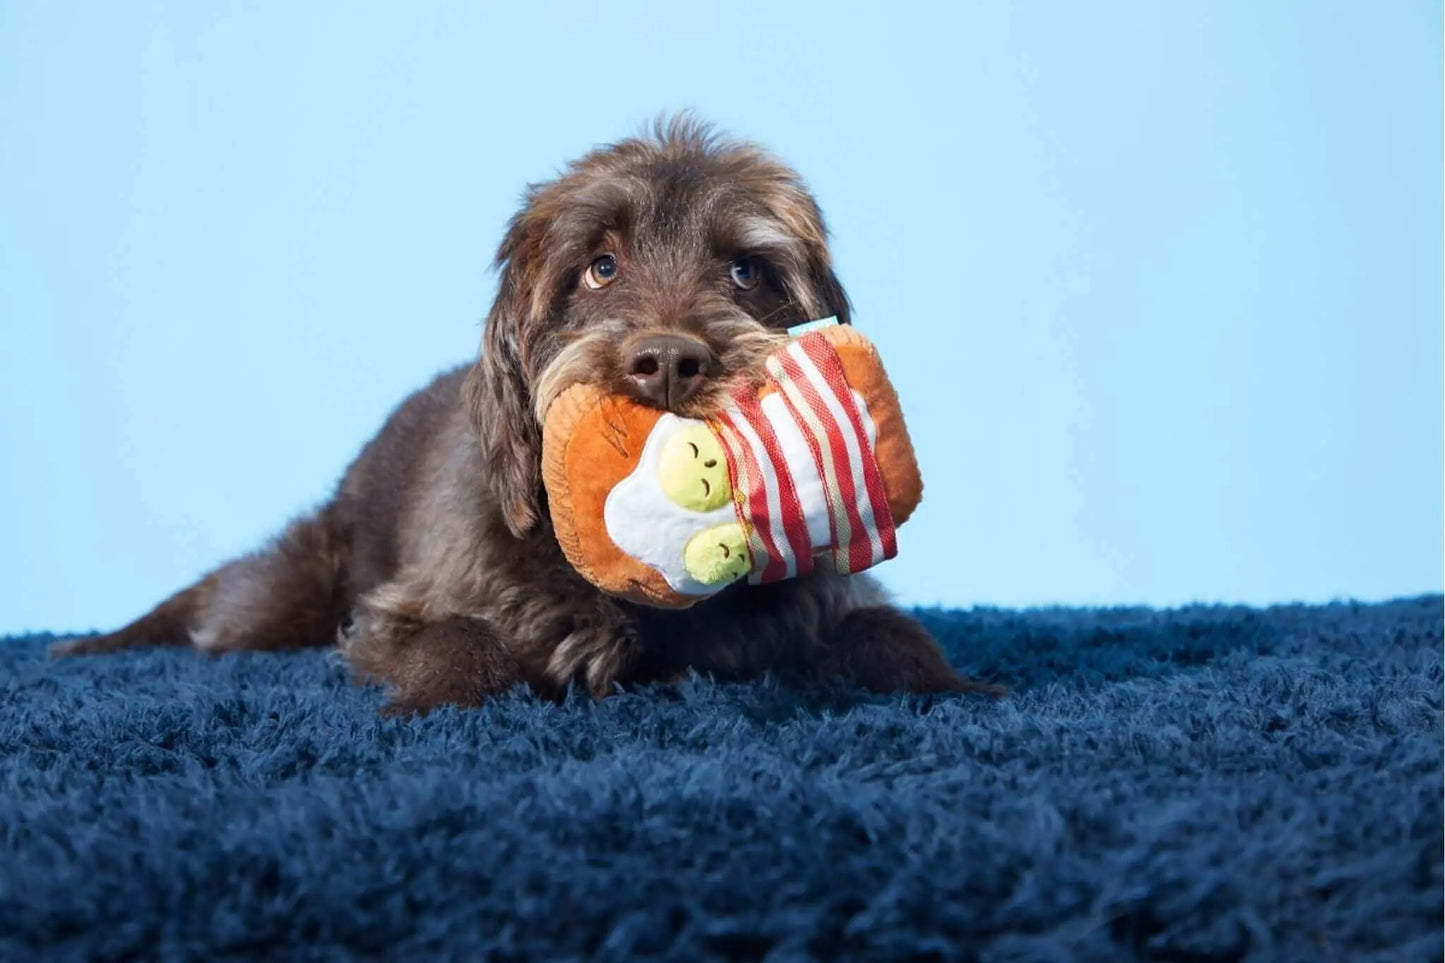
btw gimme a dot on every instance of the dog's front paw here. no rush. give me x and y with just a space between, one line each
884 650
458 661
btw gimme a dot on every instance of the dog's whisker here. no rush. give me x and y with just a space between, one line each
786 306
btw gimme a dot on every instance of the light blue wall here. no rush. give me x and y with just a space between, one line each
1160 283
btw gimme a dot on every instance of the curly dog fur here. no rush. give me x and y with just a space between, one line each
434 567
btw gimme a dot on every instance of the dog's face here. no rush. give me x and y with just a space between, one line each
660 267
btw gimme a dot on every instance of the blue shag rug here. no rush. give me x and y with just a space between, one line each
1202 784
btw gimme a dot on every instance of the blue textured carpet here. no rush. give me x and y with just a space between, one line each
1206 784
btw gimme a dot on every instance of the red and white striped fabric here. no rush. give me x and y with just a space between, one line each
823 411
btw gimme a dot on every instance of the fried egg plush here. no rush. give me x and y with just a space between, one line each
810 464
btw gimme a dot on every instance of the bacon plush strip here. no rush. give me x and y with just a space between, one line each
810 378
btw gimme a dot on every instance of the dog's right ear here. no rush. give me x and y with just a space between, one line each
496 392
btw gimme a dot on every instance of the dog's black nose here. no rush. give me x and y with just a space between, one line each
668 369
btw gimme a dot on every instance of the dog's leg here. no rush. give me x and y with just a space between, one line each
285 596
434 648
882 649
458 661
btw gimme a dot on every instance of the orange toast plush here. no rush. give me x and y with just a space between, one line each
810 465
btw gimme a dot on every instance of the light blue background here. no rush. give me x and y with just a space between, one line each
1160 283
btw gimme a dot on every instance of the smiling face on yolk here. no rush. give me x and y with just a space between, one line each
718 555
692 469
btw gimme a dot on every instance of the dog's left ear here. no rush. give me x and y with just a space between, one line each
815 289
496 392
827 289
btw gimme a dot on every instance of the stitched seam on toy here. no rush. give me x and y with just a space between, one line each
614 431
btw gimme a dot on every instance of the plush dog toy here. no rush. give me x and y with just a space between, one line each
810 465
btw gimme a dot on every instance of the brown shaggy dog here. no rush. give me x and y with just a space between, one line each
662 266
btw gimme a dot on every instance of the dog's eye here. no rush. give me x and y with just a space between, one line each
745 273
601 272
